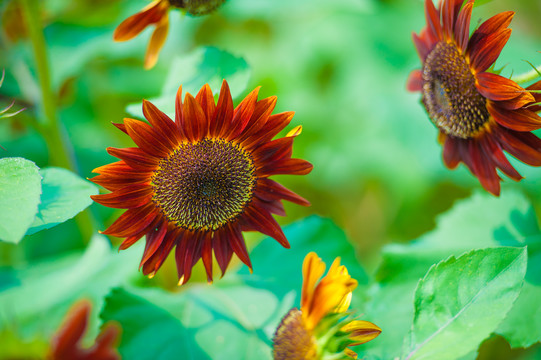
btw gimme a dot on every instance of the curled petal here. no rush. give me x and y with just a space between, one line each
132 26
156 42
498 88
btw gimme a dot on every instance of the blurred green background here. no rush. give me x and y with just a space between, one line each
340 65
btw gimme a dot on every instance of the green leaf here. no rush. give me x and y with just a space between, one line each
310 234
206 65
20 189
58 282
462 300
64 195
476 222
201 322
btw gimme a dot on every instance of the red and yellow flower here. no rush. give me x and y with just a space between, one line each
157 14
322 328
197 182
479 114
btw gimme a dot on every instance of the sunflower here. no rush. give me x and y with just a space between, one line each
156 13
322 328
66 344
199 181
479 114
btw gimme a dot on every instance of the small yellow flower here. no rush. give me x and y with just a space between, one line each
322 328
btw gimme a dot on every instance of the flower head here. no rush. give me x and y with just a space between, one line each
66 344
197 182
479 114
322 328
156 13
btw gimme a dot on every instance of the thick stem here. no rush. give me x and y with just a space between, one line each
60 150
530 76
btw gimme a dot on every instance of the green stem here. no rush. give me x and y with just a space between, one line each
60 150
531 75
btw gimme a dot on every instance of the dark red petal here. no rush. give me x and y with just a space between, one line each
273 207
493 25
116 168
415 81
135 157
451 152
187 254
206 100
536 95
263 109
222 249
146 138
206 255
121 127
269 190
433 20
449 14
132 221
161 123
129 197
256 217
195 122
498 88
154 263
462 26
65 341
274 150
154 240
106 343
522 100
242 114
519 119
484 53
224 112
484 169
524 146
286 166
273 126
132 26
422 48
236 241
116 182
493 151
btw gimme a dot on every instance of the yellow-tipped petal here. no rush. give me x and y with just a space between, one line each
295 132
362 331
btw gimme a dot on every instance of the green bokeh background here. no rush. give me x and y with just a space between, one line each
340 65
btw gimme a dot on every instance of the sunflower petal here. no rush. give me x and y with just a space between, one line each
498 88
132 26
484 53
156 42
129 197
462 26
519 119
415 81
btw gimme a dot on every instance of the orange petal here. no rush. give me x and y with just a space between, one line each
156 42
484 53
132 26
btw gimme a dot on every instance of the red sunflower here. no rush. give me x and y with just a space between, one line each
197 182
479 114
157 14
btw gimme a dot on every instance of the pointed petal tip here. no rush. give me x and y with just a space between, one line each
296 131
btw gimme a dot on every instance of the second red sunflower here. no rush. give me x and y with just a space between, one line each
479 114
197 182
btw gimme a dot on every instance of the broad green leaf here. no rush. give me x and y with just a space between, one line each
201 322
64 195
462 300
310 234
35 303
20 189
206 65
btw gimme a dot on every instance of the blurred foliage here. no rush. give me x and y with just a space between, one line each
378 178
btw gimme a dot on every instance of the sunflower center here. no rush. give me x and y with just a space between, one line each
292 340
204 185
197 7
449 93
